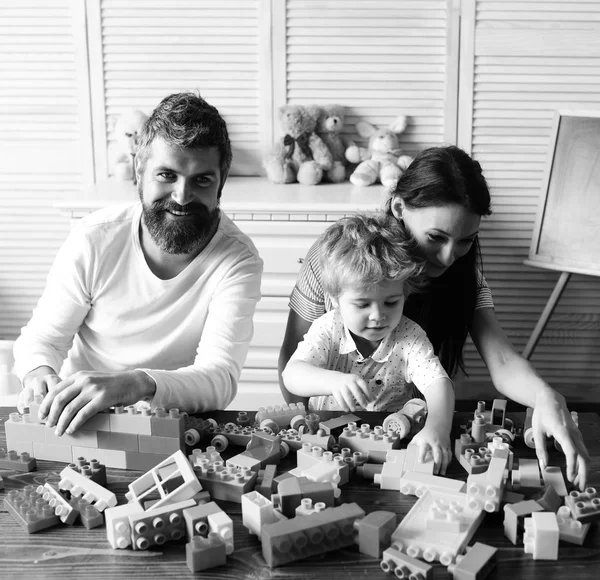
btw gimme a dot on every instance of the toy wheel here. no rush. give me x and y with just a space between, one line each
191 437
220 442
269 424
285 449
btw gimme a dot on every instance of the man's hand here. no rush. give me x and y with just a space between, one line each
432 440
37 382
348 389
76 399
551 417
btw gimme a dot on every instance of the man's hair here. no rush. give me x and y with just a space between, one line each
186 120
365 250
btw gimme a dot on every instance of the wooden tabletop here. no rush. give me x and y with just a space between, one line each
73 552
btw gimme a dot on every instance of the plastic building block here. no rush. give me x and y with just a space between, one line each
21 429
514 514
62 508
370 470
159 445
312 422
262 450
242 418
320 438
93 469
1 483
206 458
335 426
373 533
390 475
196 518
204 553
553 476
476 564
446 517
81 438
409 420
226 483
89 515
299 538
79 485
30 510
584 505
403 566
310 456
528 430
62 453
292 491
415 483
264 481
176 469
540 538
306 507
220 523
464 442
163 424
235 435
118 527
291 437
413 537
529 474
17 461
476 461
136 461
511 497
130 420
570 530
548 499
280 414
367 439
257 511
484 490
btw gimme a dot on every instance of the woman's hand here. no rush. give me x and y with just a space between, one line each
437 442
76 399
551 417
38 382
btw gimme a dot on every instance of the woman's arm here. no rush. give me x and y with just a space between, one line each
516 378
295 330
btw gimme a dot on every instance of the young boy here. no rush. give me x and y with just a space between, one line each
364 354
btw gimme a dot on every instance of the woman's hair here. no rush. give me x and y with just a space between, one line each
365 250
439 176
186 120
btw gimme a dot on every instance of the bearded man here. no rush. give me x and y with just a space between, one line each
152 301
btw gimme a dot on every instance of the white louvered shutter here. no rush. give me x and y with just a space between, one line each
44 154
379 58
531 58
153 48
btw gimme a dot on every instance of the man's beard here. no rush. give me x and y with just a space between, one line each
180 235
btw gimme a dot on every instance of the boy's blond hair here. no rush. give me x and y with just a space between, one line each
365 250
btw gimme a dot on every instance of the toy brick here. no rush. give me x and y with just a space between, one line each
484 490
120 441
257 510
335 426
265 481
299 538
498 413
20 429
62 508
321 472
540 538
584 505
196 519
446 517
1 483
167 424
291 492
17 461
475 461
80 485
403 566
291 438
89 515
235 434
110 457
30 510
159 445
34 408
367 439
52 452
307 508
262 450
413 537
374 532
280 414
221 524
93 469
99 422
569 529
204 553
512 497
118 527
548 499
408 420
529 473
476 564
159 525
553 476
175 468
309 456
369 470
142 461
415 483
514 515
207 458
226 483
131 420
80 438
390 475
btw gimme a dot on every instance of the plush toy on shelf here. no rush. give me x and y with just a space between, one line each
383 160
301 155
329 128
128 127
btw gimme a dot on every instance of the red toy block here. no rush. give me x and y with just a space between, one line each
204 553
171 424
17 461
92 469
30 510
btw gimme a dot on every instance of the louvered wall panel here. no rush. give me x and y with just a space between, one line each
378 58
40 147
532 58
152 49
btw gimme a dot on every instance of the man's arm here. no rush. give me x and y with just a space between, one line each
295 330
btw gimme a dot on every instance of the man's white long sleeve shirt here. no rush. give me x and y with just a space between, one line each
104 310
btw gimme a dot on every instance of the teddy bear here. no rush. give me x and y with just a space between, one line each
329 128
382 161
301 155
127 129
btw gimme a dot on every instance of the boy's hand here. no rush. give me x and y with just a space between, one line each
431 440
348 389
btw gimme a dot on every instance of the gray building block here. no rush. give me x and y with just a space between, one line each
167 424
120 441
143 461
130 420
159 445
51 452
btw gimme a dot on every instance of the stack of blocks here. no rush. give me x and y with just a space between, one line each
124 438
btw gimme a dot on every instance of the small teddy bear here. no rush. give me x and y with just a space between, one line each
301 155
382 161
128 127
329 128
